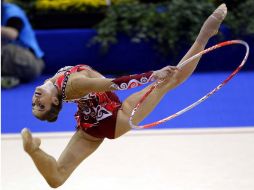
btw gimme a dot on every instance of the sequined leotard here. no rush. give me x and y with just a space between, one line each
97 112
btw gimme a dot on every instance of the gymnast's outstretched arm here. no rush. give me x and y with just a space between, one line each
79 85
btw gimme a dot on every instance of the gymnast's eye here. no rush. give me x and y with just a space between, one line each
33 104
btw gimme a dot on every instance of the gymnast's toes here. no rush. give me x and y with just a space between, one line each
221 12
30 144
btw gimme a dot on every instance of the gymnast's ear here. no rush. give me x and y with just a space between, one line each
55 101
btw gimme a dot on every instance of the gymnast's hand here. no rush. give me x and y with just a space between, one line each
165 72
30 144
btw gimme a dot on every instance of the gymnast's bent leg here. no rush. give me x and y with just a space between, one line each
56 172
209 29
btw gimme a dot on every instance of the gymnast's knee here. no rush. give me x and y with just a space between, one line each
170 84
56 182
58 179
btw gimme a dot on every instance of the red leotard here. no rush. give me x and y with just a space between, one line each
97 111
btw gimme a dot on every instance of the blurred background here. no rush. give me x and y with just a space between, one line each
120 37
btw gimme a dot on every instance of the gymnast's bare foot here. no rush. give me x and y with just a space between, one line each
30 144
212 24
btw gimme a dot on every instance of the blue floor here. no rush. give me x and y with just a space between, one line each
232 106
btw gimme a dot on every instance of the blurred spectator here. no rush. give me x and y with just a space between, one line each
21 56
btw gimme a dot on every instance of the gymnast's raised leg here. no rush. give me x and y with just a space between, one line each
209 29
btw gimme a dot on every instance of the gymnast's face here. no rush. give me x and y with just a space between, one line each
42 101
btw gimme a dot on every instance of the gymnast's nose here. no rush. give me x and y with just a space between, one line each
36 100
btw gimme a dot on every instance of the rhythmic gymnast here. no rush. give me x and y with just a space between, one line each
100 113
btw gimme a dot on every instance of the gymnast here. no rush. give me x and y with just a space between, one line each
100 113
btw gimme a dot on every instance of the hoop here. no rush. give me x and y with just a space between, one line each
219 45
